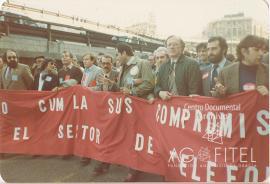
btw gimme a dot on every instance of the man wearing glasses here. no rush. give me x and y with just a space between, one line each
14 75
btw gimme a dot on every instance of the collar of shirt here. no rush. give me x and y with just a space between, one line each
131 61
107 74
174 60
68 67
220 64
89 69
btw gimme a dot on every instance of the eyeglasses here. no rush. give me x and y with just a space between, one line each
11 57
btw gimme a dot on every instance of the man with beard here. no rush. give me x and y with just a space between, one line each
14 75
217 50
249 73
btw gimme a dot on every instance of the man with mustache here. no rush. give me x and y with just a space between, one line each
217 49
14 75
108 81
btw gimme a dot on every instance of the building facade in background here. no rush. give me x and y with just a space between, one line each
235 27
148 28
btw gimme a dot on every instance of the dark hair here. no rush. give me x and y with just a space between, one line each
249 41
121 47
222 43
46 62
230 57
38 57
108 57
200 46
101 54
180 41
5 55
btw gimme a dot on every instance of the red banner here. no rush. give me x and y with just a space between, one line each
184 139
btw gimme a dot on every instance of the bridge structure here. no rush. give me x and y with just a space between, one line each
31 32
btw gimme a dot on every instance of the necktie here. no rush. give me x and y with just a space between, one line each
172 67
214 75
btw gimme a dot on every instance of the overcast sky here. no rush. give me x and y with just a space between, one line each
186 18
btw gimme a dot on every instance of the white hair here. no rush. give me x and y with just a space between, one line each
161 49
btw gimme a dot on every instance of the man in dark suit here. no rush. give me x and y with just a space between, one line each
181 75
14 75
217 50
247 74
47 78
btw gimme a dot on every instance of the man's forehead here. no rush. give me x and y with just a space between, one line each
213 44
106 60
39 59
11 53
65 54
173 39
161 53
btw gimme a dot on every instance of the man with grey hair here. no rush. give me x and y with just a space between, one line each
181 75
161 56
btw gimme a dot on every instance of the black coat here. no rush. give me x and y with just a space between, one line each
50 81
187 77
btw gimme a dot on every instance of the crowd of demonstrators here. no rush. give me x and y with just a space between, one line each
165 73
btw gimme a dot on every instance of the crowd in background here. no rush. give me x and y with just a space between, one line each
168 71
